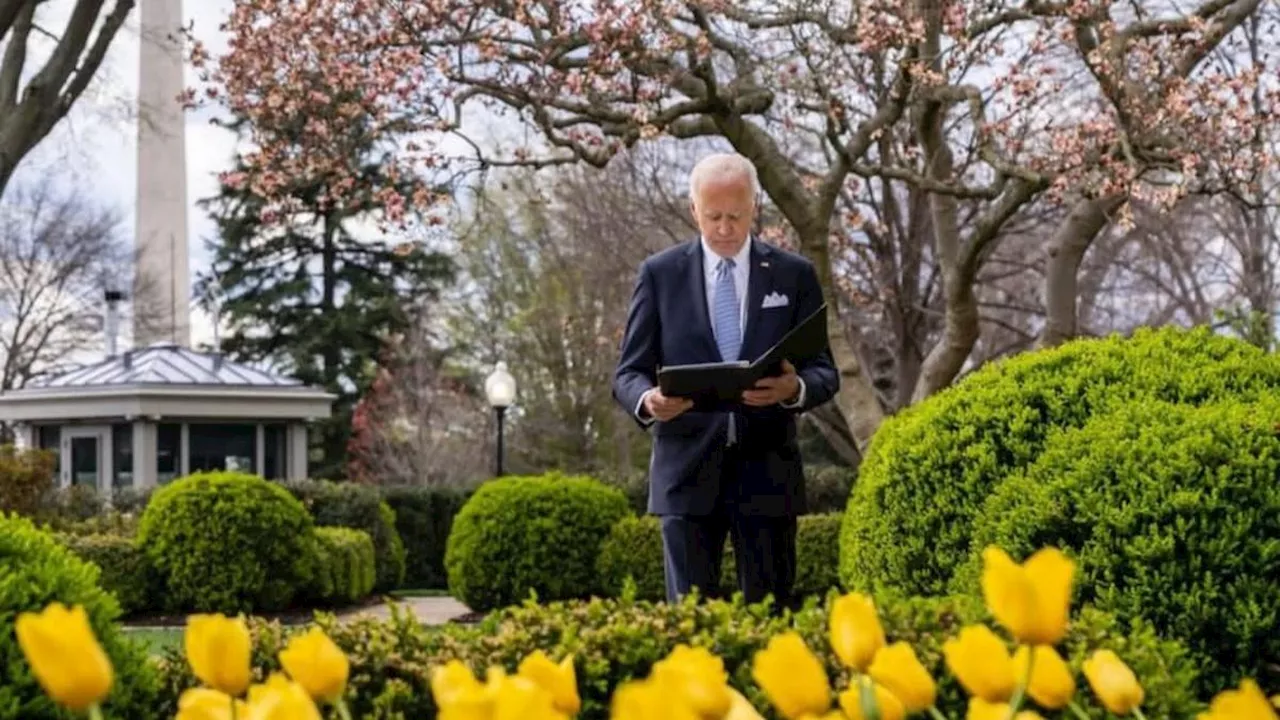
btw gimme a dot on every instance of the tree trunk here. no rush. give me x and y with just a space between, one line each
1066 251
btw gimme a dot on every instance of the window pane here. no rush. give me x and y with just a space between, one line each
168 452
122 454
222 447
273 451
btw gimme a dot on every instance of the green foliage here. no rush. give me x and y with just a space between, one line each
424 517
345 570
26 477
615 640
359 507
227 542
827 487
34 572
817 553
539 534
1174 515
909 521
125 571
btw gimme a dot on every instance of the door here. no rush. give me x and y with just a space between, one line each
83 450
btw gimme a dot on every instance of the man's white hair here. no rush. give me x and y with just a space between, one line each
723 166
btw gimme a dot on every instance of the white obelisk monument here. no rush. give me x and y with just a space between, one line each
162 286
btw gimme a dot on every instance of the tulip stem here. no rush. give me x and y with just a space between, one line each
343 712
937 715
1020 693
867 698
1137 712
1079 711
95 713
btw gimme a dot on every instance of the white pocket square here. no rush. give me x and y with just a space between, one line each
773 300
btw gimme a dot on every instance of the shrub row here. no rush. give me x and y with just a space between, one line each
1152 458
614 640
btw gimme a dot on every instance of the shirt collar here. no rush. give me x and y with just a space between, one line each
711 259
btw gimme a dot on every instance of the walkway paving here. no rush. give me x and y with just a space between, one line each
428 610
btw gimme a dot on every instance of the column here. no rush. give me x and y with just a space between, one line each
259 442
296 464
145 451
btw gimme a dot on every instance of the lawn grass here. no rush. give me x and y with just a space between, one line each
156 640
418 592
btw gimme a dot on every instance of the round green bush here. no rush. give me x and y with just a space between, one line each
909 520
633 550
35 570
518 535
360 507
345 570
1174 515
227 542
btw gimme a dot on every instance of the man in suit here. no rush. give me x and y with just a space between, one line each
730 470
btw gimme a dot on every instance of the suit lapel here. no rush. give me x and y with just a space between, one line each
759 284
697 284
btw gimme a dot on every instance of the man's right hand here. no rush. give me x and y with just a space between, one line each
665 408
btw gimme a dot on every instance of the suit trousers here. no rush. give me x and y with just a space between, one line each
764 549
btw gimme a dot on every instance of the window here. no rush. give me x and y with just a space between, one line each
217 446
49 437
168 452
274 450
122 454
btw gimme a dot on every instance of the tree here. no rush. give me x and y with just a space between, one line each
58 254
318 291
1085 104
29 112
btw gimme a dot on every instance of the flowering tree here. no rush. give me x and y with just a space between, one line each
984 110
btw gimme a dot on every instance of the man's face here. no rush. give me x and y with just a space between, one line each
723 209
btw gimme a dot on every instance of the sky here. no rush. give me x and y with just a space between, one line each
94 148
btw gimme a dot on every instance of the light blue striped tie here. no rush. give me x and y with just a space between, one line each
727 325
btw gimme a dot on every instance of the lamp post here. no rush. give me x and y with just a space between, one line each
500 388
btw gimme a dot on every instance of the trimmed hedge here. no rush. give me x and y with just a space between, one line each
345 570
826 488
360 507
540 534
1174 514
909 522
615 640
124 569
227 542
634 550
424 517
35 570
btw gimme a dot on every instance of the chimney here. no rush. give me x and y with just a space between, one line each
111 324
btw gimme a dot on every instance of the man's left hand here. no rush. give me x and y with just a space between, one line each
774 390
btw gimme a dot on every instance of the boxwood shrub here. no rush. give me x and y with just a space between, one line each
909 521
344 566
424 517
537 534
36 570
1174 514
227 542
124 569
617 639
360 507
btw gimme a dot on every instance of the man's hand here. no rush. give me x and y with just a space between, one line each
774 390
665 408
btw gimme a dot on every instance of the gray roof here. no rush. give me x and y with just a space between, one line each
165 364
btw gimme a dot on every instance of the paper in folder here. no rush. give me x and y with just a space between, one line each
712 383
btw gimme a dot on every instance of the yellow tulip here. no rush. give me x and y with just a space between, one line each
1051 683
64 655
280 698
209 704
792 677
649 699
1113 682
855 630
698 677
519 698
897 668
317 664
981 663
218 648
1031 600
887 704
557 679
452 681
1244 703
980 709
740 708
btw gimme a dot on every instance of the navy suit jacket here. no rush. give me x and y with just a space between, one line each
669 324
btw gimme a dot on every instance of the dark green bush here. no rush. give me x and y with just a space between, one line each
360 507
634 549
615 640
125 571
827 488
227 542
345 570
909 521
26 478
36 571
424 517
541 534
1174 514
634 484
